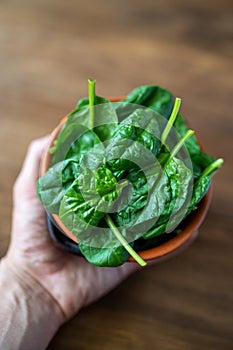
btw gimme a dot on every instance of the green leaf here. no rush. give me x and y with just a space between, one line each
134 142
84 144
51 187
77 212
191 143
78 124
201 186
200 159
178 184
83 103
154 97
85 203
104 256
199 190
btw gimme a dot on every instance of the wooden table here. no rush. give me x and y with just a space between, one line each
48 49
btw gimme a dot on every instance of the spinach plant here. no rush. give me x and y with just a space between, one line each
115 180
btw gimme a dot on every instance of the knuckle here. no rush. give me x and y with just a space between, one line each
33 144
36 144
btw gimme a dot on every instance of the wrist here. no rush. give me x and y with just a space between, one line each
26 309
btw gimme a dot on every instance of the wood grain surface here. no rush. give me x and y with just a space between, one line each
48 49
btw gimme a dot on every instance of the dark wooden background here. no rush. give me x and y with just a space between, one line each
48 49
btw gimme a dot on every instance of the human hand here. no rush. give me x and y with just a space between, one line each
70 281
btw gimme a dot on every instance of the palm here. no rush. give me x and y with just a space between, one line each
71 280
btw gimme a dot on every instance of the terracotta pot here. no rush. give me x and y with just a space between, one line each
171 247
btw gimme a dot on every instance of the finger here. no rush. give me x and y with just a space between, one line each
26 181
128 268
31 164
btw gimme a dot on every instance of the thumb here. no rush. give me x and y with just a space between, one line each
25 185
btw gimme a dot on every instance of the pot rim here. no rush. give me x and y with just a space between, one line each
168 248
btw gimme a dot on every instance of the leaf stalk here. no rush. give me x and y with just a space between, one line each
123 241
171 120
91 93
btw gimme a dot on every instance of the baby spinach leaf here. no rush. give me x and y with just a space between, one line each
154 97
80 214
105 181
104 256
143 127
137 200
143 244
191 143
199 190
83 103
51 187
202 184
133 143
200 160
87 141
70 171
77 213
78 124
88 199
71 137
178 181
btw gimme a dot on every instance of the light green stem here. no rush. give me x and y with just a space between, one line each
181 143
212 167
123 241
91 93
171 120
